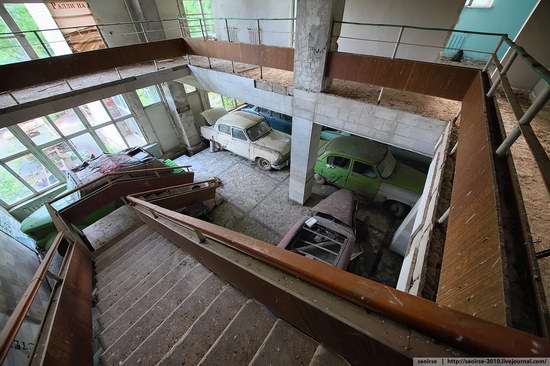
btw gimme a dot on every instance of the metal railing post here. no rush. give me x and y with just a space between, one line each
102 36
202 30
505 69
259 44
229 40
394 53
500 42
42 43
527 117
143 31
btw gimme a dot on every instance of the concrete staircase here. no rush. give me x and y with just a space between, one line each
157 305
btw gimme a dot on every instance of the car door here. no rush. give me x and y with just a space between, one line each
336 170
223 135
363 179
239 143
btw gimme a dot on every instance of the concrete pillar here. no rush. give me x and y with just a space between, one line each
142 10
142 119
181 114
314 20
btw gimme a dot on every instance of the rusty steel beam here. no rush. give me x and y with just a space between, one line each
29 73
444 81
182 195
77 211
463 331
281 58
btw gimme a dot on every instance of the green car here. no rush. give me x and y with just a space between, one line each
369 169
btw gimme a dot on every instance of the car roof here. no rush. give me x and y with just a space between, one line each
358 147
240 119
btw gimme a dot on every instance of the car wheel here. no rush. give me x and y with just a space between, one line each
319 179
397 209
264 163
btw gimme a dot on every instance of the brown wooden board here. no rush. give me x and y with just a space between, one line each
29 73
444 81
70 338
472 272
281 58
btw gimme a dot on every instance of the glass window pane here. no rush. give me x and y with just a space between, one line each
33 172
86 146
9 144
111 138
35 17
148 95
62 156
95 113
11 189
131 132
117 106
39 130
11 50
67 122
228 102
215 100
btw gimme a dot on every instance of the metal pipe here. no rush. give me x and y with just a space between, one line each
259 44
144 33
444 217
527 117
505 69
42 43
102 36
453 150
394 53
486 67
229 40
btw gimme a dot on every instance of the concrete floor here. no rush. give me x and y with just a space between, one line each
255 203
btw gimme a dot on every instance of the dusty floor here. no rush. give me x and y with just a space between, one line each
535 195
256 203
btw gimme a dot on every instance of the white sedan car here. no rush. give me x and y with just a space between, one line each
247 135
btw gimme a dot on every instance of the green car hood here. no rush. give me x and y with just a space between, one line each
407 178
40 219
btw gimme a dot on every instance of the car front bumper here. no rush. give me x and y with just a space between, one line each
281 163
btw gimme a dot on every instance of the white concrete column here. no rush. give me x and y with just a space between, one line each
182 116
313 42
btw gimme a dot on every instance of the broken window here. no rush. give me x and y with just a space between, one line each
338 161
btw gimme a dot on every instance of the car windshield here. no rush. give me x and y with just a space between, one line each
387 165
258 131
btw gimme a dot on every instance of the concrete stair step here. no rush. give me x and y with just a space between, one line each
110 255
156 247
207 328
136 332
115 323
323 357
285 345
240 341
105 302
141 248
177 323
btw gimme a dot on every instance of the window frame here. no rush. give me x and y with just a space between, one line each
228 128
347 167
30 147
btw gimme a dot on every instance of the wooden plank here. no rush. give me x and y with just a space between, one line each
35 72
70 337
472 272
445 81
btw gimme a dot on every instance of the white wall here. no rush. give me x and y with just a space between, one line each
108 11
402 129
162 124
275 33
534 38
425 13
